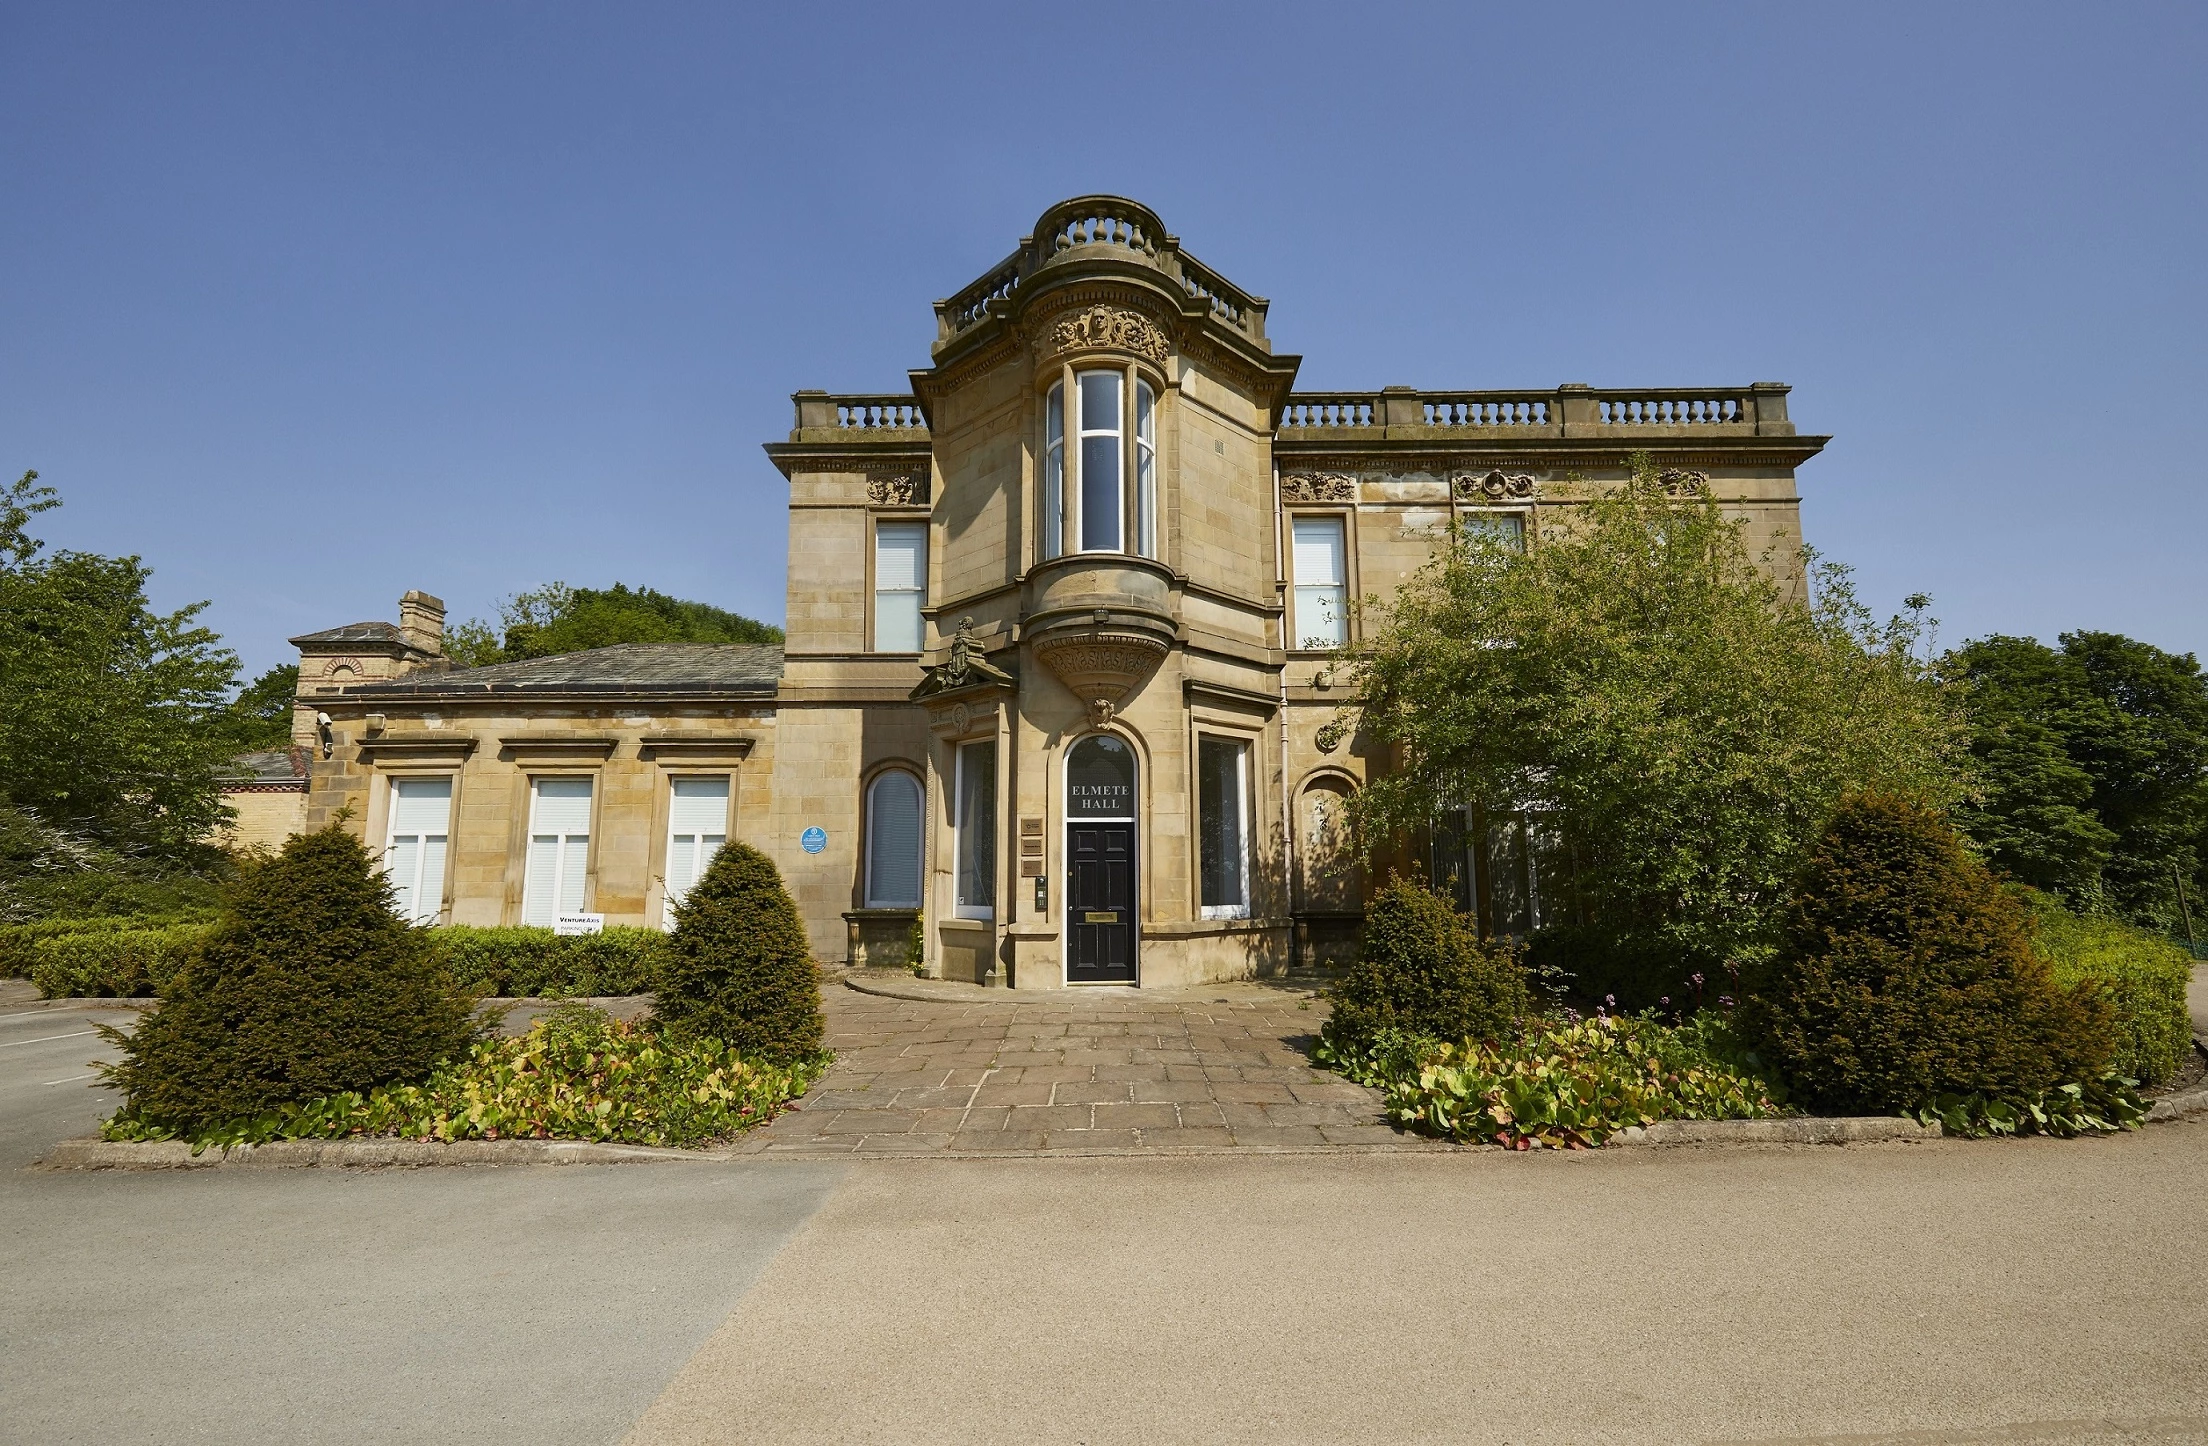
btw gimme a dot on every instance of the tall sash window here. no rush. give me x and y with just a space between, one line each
1054 474
697 826
900 585
559 849
977 831
414 849
1322 591
1103 524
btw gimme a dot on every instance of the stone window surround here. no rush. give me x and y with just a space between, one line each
1137 373
663 820
1251 739
522 815
1290 626
875 517
377 824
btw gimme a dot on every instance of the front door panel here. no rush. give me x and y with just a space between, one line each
1100 903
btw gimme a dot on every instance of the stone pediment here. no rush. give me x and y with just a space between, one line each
966 669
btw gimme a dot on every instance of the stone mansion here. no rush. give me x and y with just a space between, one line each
1059 620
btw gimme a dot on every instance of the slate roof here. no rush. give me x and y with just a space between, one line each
278 766
746 669
358 633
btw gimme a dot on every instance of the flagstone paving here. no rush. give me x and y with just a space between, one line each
1091 1070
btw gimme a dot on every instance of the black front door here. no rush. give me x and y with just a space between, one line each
1100 903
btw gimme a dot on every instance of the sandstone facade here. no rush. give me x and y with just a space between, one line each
1100 513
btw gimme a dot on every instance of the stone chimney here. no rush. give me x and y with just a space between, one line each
422 622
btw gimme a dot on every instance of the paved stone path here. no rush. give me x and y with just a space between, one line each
1095 1071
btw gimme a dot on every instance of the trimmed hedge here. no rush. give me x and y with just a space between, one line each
2142 975
114 963
1420 970
19 942
1906 973
537 962
739 968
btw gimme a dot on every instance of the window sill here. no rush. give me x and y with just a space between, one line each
968 922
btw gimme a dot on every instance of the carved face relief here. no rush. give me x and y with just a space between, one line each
1113 328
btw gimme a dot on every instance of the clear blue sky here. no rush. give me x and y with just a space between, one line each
313 304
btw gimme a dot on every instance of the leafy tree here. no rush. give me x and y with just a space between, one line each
108 710
1681 721
558 619
259 718
1907 972
2095 762
311 984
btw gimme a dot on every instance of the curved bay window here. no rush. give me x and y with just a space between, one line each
1114 486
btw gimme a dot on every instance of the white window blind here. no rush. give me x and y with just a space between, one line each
900 585
559 849
1322 614
893 842
697 826
415 847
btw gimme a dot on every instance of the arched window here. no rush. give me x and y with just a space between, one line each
893 841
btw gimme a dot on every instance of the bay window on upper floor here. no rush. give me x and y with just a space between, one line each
1110 486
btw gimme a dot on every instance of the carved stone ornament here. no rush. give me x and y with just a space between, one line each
897 489
1112 327
962 717
1677 481
967 666
1494 486
1101 668
1318 487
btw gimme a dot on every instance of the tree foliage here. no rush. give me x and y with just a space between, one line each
259 717
2094 757
1907 972
109 711
558 619
1680 719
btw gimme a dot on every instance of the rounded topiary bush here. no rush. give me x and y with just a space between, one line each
737 967
1907 972
1420 969
310 983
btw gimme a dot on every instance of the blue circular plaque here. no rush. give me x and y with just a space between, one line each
813 840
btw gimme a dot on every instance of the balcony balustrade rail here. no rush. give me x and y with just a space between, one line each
1564 411
1105 225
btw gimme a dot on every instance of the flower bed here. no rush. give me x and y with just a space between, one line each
576 1075
1561 1082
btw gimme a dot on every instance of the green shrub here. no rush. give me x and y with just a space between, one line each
576 1075
113 963
738 968
1906 972
1420 970
536 962
1570 1084
1629 973
310 985
19 942
2143 976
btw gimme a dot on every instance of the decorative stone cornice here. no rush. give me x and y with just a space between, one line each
1318 487
1106 328
1493 486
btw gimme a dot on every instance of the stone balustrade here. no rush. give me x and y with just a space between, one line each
1572 410
1111 228
859 412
